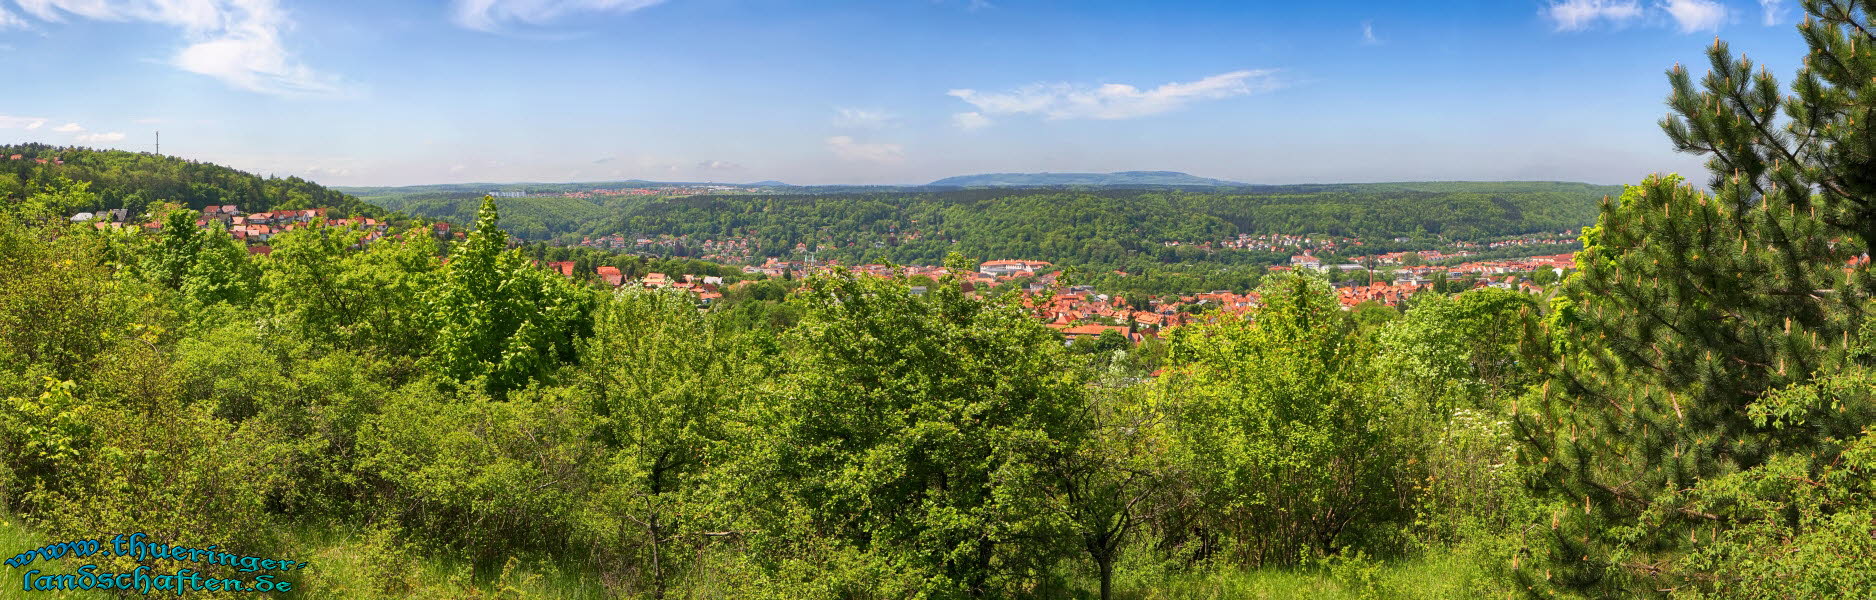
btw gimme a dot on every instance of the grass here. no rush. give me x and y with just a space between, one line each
1451 575
346 565
363 564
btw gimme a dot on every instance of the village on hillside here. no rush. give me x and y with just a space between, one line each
1076 310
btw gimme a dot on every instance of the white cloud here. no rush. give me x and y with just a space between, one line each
1773 11
318 171
1367 34
718 165
1696 15
1116 100
235 41
27 123
69 128
8 20
457 168
970 120
1573 15
861 118
99 138
492 15
848 149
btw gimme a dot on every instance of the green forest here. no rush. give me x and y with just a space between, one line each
139 181
1686 415
1087 226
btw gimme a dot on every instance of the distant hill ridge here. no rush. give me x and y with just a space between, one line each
136 181
1120 178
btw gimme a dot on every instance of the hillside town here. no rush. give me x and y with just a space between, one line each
252 229
1077 311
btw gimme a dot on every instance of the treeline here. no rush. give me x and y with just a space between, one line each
1097 226
531 218
138 181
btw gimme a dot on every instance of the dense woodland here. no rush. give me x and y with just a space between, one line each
1085 226
1687 416
138 181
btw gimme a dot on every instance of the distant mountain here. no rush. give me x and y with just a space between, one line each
1123 178
769 183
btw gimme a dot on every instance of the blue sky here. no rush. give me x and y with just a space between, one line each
363 92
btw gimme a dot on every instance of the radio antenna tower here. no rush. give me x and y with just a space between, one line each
159 143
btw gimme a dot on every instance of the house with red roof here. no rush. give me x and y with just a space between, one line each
612 276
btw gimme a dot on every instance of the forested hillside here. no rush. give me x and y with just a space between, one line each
531 218
1123 178
137 180
1067 226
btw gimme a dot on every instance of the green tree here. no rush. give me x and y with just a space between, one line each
1450 368
910 430
1693 315
664 382
1460 352
1277 426
58 307
369 300
177 245
1105 486
221 272
501 318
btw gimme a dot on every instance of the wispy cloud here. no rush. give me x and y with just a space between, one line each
1687 15
970 120
69 128
235 41
1111 100
1367 34
99 138
27 123
1774 10
8 20
319 171
497 15
1574 15
718 165
1696 15
861 118
847 149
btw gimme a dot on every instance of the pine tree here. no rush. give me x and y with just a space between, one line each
1691 309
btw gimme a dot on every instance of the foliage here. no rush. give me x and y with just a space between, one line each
140 181
663 380
1706 398
1287 457
499 318
908 428
1125 228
